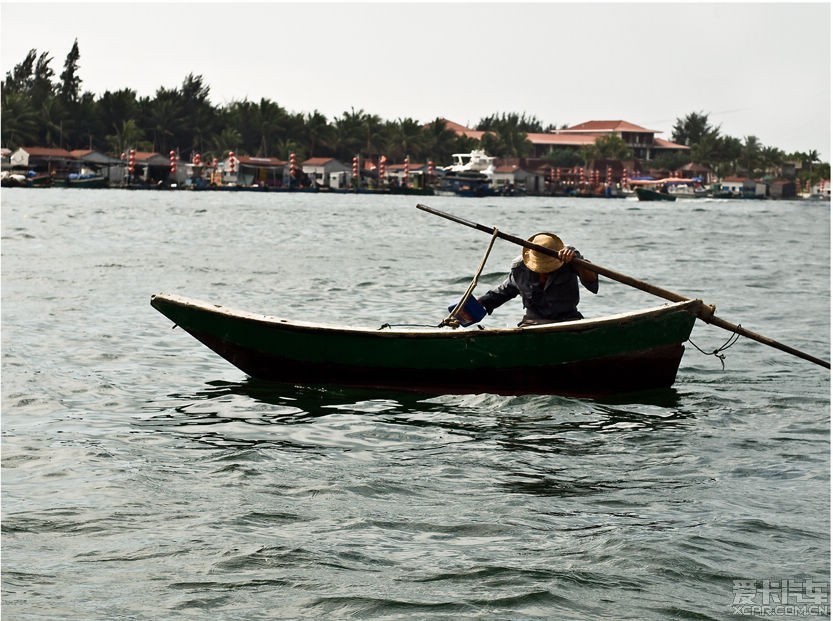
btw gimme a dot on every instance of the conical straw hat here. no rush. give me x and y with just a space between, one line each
539 262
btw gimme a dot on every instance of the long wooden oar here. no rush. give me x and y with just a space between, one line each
706 312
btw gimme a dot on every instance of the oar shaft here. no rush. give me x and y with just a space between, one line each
722 323
623 278
706 312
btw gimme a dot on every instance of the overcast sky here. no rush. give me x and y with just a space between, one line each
759 69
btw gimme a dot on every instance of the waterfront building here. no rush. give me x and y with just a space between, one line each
150 168
511 177
645 143
47 161
322 170
111 168
269 172
821 189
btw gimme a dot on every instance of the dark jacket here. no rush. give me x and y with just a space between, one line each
554 300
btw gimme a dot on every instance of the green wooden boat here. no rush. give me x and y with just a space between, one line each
87 182
608 355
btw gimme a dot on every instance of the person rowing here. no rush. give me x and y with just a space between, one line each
548 286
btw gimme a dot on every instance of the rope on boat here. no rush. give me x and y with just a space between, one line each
717 353
451 319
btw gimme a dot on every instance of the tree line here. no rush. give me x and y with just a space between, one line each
41 109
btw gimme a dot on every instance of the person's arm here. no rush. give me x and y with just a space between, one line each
589 278
504 292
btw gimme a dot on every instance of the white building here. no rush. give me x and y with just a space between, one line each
321 169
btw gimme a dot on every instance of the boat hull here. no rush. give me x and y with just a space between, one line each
88 182
617 354
645 194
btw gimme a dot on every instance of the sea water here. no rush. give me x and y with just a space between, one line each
143 477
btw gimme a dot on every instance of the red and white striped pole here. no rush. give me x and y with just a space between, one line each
407 170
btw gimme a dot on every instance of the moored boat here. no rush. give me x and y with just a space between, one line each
29 180
647 194
12 180
614 354
86 181
687 189
471 174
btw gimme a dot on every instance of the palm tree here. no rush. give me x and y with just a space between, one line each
199 116
51 123
349 134
750 156
165 116
127 136
812 158
373 132
771 159
285 146
270 119
259 124
440 142
114 108
693 129
318 132
609 147
20 121
87 127
229 139
507 134
404 137
519 122
729 154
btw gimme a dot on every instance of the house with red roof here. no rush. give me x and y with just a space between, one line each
462 130
44 160
321 171
261 171
644 142
509 177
